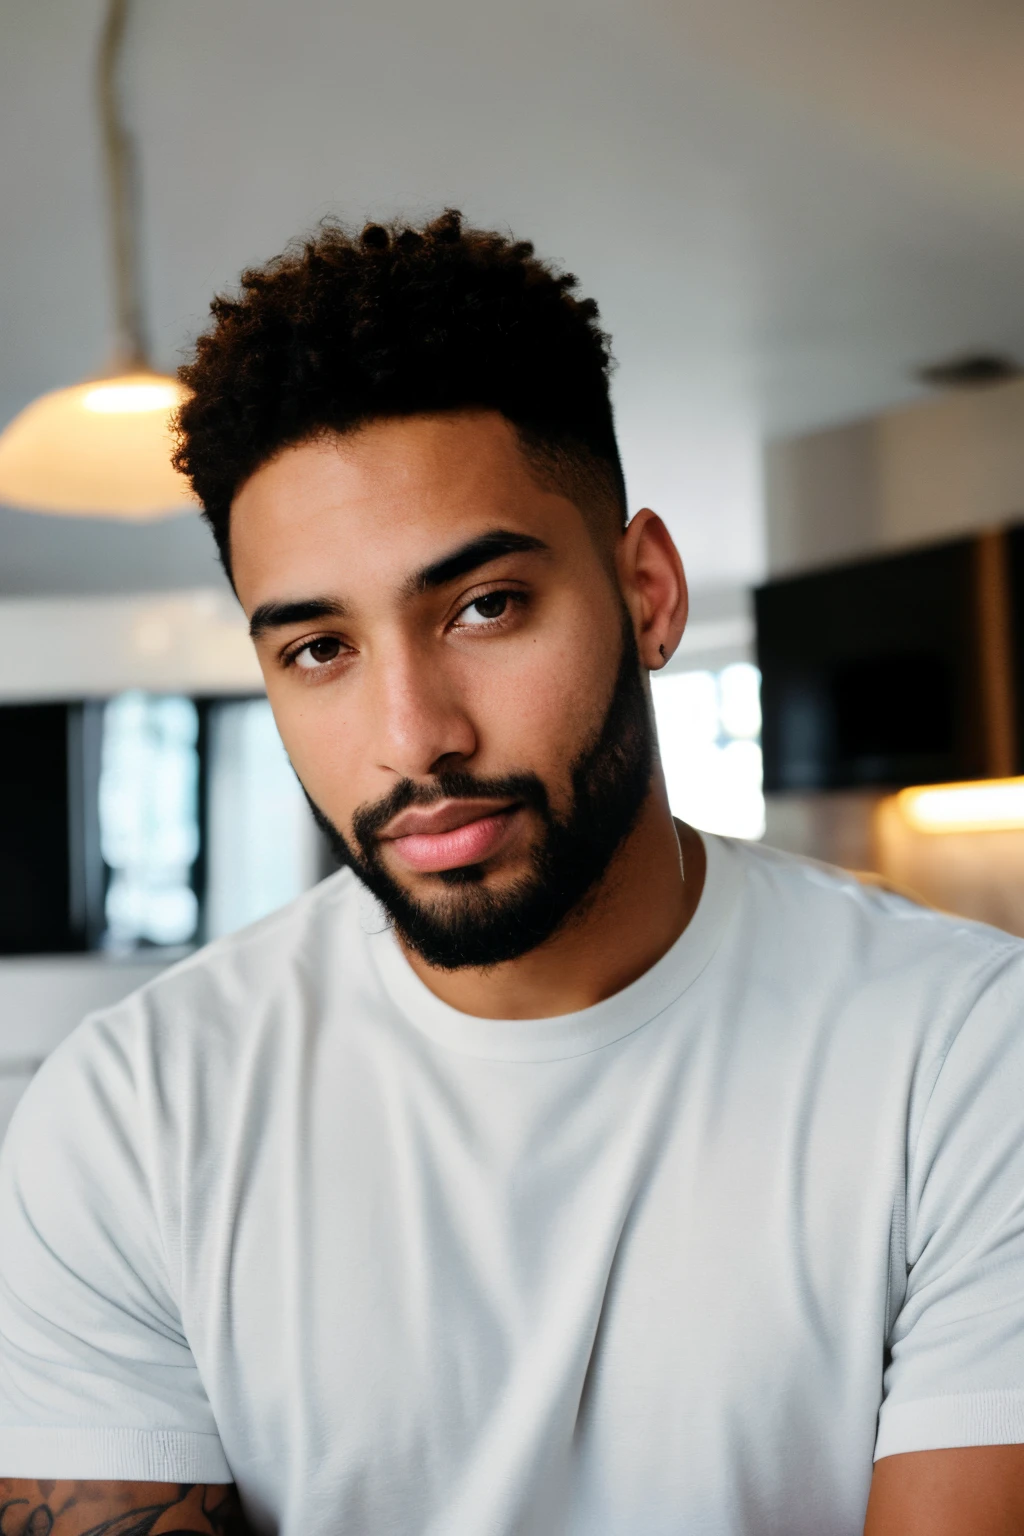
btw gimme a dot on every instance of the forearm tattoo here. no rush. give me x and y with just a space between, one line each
46 1508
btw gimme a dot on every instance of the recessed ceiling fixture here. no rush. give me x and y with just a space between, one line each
103 447
970 370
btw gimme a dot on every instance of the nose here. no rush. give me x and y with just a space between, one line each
423 725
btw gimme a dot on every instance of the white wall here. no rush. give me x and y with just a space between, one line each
81 647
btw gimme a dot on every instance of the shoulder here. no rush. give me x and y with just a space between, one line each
910 1015
836 907
268 951
314 942
191 1031
853 958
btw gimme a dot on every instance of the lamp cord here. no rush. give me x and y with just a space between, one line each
131 351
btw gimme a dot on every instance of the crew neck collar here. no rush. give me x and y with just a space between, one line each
589 1029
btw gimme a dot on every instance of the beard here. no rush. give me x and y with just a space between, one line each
471 925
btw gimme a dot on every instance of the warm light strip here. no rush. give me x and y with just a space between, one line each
990 805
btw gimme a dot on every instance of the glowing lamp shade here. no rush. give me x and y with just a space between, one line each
100 449
991 805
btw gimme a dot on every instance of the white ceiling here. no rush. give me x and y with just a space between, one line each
783 206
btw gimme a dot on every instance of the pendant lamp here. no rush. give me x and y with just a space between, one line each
103 447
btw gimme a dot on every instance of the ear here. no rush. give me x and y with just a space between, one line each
653 585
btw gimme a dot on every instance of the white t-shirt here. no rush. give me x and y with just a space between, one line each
683 1261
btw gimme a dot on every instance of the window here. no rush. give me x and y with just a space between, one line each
149 819
263 847
709 726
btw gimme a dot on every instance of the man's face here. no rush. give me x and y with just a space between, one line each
453 674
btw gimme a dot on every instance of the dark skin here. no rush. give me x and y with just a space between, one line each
307 530
971 1491
74 1508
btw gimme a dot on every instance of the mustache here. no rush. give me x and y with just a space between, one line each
369 820
609 777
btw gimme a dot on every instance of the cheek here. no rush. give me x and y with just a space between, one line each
532 706
326 750
538 712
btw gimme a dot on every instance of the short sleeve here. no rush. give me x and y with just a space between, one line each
956 1351
97 1380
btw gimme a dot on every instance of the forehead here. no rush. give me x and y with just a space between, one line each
372 505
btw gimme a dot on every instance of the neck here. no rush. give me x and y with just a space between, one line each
644 902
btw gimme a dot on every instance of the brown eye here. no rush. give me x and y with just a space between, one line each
483 609
318 653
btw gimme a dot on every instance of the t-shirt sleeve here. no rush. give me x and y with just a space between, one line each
97 1380
955 1375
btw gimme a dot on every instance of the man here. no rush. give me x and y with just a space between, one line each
552 1168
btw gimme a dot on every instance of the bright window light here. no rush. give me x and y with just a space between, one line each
263 847
149 818
995 805
708 724
739 695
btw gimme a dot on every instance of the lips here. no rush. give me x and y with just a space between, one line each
450 835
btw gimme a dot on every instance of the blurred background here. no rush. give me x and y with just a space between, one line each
804 223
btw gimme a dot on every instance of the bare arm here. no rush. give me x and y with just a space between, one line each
976 1491
29 1508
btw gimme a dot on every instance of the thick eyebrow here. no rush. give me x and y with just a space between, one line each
279 615
468 557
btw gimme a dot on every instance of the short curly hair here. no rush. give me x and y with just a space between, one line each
349 328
